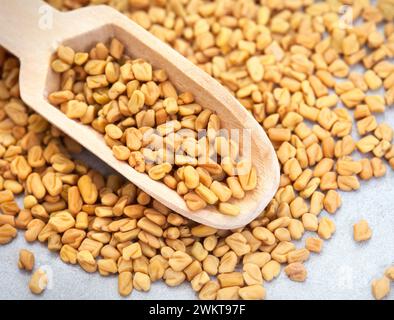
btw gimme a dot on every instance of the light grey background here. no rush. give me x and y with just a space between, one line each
344 269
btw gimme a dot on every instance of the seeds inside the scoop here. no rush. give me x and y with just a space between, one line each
155 129
286 79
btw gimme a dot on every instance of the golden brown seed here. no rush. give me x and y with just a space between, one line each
26 260
173 278
296 271
38 282
380 288
361 231
389 273
314 244
191 176
209 291
265 235
228 262
33 230
270 270
326 228
332 201
159 171
252 274
141 281
310 222
229 293
199 281
132 251
252 292
206 194
231 279
125 283
87 261
87 189
238 243
68 254
229 209
61 221
107 267
179 261
92 246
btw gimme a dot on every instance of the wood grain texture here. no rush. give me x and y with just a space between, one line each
83 28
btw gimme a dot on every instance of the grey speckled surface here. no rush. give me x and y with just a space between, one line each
343 270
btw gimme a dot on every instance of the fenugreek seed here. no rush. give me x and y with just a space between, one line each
125 283
380 288
121 152
389 273
107 267
73 237
76 109
228 262
199 281
34 228
362 231
220 189
231 279
54 242
132 251
314 244
252 274
296 271
270 270
141 281
229 209
252 292
38 282
173 278
158 172
68 254
142 70
87 261
378 167
238 243
92 246
7 233
332 201
7 219
194 202
310 222
326 228
206 194
87 189
265 235
26 260
229 293
60 66
149 226
61 221
209 290
179 261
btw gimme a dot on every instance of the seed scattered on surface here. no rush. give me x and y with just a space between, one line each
26 260
38 282
362 231
380 288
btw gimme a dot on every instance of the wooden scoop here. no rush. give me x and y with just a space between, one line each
32 30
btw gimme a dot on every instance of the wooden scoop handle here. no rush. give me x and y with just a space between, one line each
26 25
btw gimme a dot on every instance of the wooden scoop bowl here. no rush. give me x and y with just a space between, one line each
32 30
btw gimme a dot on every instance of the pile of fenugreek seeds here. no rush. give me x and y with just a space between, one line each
288 62
147 123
